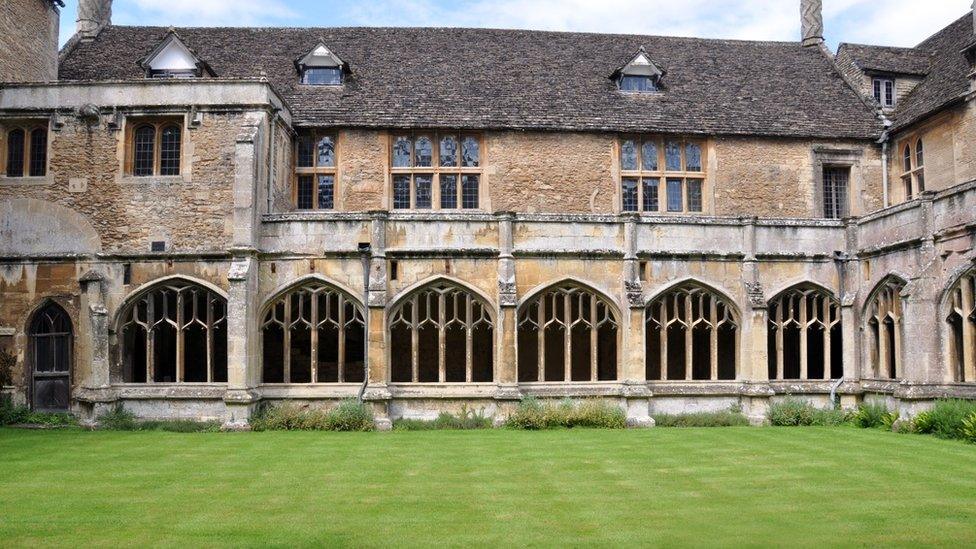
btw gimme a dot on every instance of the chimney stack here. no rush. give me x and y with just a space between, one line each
811 22
93 16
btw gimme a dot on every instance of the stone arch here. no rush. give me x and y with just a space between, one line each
805 338
49 363
568 330
313 330
691 333
958 312
882 322
441 330
405 292
34 227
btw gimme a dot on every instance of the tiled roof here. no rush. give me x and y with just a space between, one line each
887 59
508 79
947 80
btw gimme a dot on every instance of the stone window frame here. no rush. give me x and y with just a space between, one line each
796 308
884 326
159 122
881 86
28 126
911 160
435 170
959 316
830 157
315 170
663 175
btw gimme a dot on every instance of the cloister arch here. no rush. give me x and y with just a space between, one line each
960 319
804 334
567 331
883 323
691 333
313 331
441 330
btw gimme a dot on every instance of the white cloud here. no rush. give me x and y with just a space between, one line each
202 13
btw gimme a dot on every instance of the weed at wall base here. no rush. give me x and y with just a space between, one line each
793 412
349 415
531 414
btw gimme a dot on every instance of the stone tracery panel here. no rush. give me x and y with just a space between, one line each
885 330
804 335
961 319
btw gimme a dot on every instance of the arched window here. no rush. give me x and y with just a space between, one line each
885 327
442 332
805 335
962 327
691 333
567 333
26 151
51 342
913 174
314 333
175 332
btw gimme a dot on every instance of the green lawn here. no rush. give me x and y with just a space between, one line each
731 486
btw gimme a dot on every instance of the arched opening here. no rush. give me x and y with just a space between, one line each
884 318
51 346
567 333
961 321
314 333
440 333
174 332
804 335
691 334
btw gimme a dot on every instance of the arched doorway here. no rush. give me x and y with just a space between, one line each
51 356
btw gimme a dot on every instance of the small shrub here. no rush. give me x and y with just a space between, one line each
794 412
889 420
727 418
7 363
969 428
118 419
870 416
530 414
946 418
349 415
465 419
10 414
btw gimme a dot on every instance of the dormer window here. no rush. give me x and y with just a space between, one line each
884 91
639 75
321 67
173 59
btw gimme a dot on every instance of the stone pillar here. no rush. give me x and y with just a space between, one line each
243 362
92 368
848 276
506 367
377 391
753 360
632 370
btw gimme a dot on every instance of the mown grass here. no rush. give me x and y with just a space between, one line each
737 486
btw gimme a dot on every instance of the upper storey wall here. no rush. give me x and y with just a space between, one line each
28 41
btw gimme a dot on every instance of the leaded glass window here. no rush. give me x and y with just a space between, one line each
435 170
316 165
668 172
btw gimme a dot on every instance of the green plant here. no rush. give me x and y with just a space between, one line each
349 415
530 414
969 428
726 418
11 414
889 420
465 419
7 363
870 416
946 418
118 419
795 412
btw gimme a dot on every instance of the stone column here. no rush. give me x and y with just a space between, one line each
848 277
506 367
753 359
632 372
377 391
243 362
92 371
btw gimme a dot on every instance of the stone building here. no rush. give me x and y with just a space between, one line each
197 221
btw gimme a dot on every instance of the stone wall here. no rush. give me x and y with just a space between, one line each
28 41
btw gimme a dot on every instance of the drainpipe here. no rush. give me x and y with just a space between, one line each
833 392
366 253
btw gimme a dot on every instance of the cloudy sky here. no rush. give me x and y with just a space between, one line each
890 22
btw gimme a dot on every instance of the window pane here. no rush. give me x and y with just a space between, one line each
305 194
169 151
672 156
835 192
469 192
674 195
423 190
919 155
448 152
15 153
401 152
305 154
693 157
628 155
889 93
907 181
694 195
322 76
423 152
649 155
326 192
877 90
636 83
448 191
650 194
401 191
629 193
38 159
920 180
145 141
326 152
470 155
908 158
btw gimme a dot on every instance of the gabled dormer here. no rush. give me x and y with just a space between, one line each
171 58
321 67
639 75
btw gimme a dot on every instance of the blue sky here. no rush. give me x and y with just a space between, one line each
889 22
